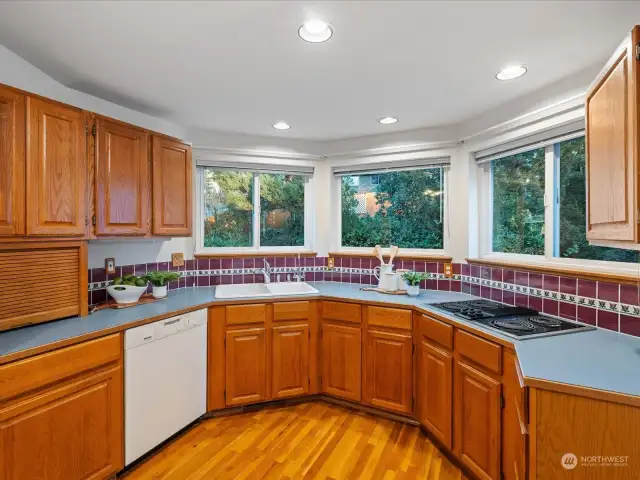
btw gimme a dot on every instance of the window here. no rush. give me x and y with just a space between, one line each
518 203
403 208
251 210
571 202
523 223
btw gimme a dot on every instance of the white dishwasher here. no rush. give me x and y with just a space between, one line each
165 387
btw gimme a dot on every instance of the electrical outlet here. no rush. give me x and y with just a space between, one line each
177 259
110 266
448 270
330 263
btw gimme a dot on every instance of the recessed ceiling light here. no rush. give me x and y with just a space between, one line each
387 120
509 73
281 126
315 31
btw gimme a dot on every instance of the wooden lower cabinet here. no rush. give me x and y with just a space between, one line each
435 391
61 414
341 361
290 360
246 373
477 420
388 370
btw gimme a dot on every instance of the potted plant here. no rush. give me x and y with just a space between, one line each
413 280
159 280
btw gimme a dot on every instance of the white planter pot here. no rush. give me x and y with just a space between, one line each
159 292
413 291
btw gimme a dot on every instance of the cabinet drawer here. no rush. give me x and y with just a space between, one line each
483 352
437 331
291 311
347 312
389 317
240 314
36 372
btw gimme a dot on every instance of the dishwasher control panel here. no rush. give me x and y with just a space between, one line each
135 337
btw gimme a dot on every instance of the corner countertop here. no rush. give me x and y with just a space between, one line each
596 359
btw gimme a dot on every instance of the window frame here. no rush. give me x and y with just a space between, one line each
256 248
551 223
336 184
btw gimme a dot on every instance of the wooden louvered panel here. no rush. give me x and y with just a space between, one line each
41 282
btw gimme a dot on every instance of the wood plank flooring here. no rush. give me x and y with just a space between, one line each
307 441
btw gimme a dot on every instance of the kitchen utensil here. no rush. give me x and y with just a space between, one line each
377 251
393 251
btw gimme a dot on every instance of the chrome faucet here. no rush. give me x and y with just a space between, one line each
299 276
266 271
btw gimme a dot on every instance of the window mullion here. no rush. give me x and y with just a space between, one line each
550 233
256 211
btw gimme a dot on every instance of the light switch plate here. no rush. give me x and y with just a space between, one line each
330 263
448 270
177 259
110 266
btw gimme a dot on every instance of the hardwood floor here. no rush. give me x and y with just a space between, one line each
307 441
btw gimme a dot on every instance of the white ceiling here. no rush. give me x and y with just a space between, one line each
240 66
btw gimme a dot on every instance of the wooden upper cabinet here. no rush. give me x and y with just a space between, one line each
172 179
341 361
388 370
612 145
56 169
246 373
12 162
123 184
290 357
477 421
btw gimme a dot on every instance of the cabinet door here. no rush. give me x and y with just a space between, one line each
12 162
69 432
172 171
612 147
246 361
341 361
388 372
123 186
290 372
477 418
435 391
56 169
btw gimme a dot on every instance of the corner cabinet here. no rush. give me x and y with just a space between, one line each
12 162
56 173
172 187
122 179
613 148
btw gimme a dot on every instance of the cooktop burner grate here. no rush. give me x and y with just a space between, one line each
545 321
516 325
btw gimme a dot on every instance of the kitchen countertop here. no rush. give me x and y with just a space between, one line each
596 359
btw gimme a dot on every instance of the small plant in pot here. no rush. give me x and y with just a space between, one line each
160 280
413 280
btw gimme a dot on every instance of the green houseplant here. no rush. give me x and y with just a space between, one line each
159 280
413 279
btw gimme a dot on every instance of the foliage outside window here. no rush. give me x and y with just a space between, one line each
403 208
229 207
572 209
518 203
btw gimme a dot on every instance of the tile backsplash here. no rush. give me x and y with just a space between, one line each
604 304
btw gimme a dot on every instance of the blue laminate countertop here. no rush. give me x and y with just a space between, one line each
597 359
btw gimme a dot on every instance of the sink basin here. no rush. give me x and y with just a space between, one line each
264 290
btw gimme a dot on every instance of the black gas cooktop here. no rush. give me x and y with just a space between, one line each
517 322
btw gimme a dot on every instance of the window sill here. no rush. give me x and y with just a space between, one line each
585 273
255 253
401 255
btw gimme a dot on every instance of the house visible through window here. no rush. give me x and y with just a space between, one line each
403 208
230 205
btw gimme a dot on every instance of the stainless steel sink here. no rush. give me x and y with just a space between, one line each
264 290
